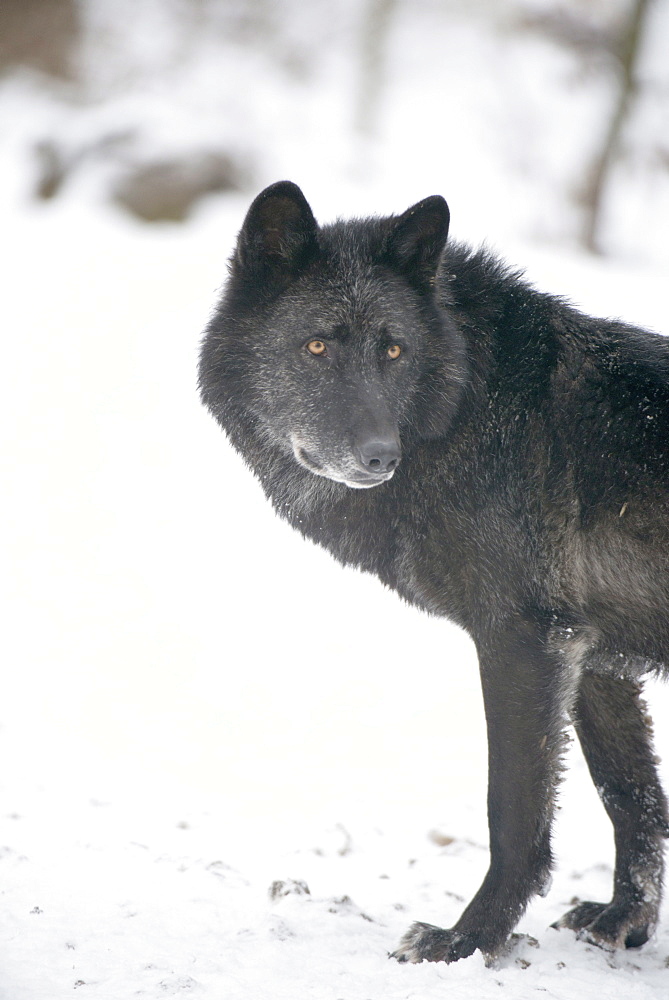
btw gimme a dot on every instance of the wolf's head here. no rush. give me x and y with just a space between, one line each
330 341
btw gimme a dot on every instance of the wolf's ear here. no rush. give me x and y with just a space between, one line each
417 238
278 237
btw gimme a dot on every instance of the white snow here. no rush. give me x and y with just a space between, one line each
198 704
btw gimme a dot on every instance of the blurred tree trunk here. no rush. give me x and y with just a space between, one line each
627 52
374 36
43 34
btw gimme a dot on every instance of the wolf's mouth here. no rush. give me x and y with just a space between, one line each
358 481
305 459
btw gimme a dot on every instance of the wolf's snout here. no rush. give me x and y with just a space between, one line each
379 457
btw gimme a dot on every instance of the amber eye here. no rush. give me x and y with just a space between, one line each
394 352
316 347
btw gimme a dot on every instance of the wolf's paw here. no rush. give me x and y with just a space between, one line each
427 943
607 925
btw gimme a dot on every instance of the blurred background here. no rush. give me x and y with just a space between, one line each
548 117
161 625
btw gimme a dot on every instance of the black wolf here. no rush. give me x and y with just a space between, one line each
496 457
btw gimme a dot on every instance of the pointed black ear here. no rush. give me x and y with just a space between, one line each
278 237
415 243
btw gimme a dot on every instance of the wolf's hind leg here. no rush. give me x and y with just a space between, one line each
614 732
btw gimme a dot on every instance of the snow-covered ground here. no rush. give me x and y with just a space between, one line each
197 705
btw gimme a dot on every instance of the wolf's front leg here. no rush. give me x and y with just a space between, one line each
526 692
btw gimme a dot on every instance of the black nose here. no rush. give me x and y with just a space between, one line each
379 456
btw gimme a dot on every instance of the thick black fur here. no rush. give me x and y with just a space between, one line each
518 457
